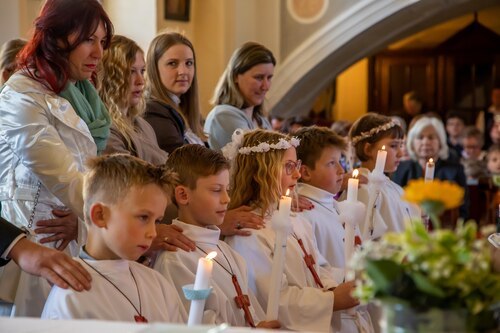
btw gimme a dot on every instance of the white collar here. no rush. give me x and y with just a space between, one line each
208 235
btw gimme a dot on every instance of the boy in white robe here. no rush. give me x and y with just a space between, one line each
202 198
265 166
123 199
321 178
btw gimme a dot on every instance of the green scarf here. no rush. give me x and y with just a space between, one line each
88 105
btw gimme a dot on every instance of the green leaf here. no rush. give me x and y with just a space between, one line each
424 285
383 273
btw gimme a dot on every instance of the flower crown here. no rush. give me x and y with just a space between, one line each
373 131
231 150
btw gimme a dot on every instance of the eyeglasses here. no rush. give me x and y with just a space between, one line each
290 166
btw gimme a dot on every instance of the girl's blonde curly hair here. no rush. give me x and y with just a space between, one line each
256 178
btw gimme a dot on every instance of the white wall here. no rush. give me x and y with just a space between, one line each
9 20
134 20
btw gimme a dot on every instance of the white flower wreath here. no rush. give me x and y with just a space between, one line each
234 147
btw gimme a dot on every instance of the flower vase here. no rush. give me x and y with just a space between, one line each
400 317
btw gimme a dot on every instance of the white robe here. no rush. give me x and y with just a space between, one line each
390 212
302 306
180 269
159 299
325 222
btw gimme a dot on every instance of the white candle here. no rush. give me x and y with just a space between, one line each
429 170
201 282
352 187
280 225
380 163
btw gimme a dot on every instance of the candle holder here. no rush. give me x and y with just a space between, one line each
197 298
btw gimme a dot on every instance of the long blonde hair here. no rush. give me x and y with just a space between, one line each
256 178
114 84
189 107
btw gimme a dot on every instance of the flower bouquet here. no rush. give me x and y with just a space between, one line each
431 282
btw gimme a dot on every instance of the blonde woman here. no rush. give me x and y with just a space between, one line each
173 108
121 89
240 93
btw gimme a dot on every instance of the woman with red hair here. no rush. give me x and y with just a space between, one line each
52 120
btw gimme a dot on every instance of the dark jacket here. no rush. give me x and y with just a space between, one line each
167 123
8 232
445 170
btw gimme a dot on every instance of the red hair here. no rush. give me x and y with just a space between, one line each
46 55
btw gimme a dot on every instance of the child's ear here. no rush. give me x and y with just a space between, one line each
367 149
305 174
181 195
99 214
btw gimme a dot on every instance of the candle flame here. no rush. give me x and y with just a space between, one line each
211 255
288 192
383 147
431 160
355 173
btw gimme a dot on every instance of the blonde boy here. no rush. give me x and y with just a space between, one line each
202 198
123 199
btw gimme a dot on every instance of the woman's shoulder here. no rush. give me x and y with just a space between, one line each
224 109
21 83
155 107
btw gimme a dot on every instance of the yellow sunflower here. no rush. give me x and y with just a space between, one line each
447 193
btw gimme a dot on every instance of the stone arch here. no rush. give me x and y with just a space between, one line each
363 29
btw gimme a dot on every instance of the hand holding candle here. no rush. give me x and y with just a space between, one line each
201 282
281 226
429 170
380 163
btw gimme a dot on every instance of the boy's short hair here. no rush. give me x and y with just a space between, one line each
191 162
495 148
110 177
313 140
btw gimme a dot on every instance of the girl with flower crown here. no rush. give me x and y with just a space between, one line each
265 166
388 212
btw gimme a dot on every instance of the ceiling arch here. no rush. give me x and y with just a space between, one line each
364 29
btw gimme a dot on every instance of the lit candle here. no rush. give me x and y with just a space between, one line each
380 163
281 225
352 187
201 282
429 170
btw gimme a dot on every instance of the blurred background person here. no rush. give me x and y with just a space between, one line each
8 54
455 125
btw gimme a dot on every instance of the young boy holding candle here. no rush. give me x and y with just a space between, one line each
265 166
202 199
377 141
123 199
321 179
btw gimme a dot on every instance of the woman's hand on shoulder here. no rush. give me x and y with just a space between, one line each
238 219
170 238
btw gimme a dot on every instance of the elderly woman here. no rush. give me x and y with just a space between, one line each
8 54
52 120
240 93
426 140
